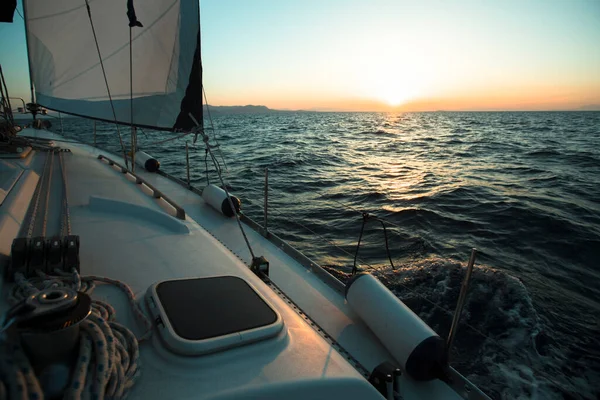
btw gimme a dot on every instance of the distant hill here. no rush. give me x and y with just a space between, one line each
249 109
590 107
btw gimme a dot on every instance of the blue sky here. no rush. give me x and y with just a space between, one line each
387 54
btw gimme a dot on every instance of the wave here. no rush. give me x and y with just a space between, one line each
460 130
378 132
544 153
541 128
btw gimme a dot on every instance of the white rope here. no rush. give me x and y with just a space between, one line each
108 359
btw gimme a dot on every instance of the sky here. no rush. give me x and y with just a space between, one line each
387 55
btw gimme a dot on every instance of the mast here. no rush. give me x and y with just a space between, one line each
28 58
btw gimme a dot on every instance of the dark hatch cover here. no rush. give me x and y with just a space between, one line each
203 308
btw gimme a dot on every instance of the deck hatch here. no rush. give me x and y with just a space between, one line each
203 315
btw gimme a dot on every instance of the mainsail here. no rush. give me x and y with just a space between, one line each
166 74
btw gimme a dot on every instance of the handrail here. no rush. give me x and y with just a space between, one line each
157 194
22 101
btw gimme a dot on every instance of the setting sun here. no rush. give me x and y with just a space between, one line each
393 91
392 79
395 95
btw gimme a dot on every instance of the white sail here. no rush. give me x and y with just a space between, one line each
66 70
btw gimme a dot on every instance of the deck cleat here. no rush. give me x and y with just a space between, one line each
37 256
54 254
386 379
260 266
19 257
71 253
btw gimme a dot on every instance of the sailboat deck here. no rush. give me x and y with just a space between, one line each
128 235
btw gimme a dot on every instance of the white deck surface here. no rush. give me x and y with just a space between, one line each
143 247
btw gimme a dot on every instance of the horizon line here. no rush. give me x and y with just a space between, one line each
595 109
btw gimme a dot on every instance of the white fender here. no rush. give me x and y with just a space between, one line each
420 352
217 199
145 160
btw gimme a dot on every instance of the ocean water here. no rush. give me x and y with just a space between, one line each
521 187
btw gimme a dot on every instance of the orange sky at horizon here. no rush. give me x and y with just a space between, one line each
525 99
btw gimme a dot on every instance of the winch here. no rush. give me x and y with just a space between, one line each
47 326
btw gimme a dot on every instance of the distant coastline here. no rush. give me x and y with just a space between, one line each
261 109
247 109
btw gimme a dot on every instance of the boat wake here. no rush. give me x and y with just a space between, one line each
502 344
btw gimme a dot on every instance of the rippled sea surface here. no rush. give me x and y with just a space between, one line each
523 188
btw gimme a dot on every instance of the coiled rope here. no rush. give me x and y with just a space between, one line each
108 360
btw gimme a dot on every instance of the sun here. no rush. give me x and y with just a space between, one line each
395 94
393 90
392 82
395 99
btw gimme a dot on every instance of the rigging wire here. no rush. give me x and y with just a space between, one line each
362 229
112 106
143 133
206 166
212 127
205 138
